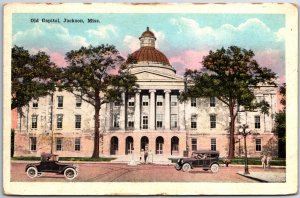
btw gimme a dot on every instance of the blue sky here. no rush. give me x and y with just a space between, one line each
184 38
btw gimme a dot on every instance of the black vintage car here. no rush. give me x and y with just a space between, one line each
205 159
49 163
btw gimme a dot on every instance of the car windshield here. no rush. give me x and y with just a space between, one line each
49 157
204 155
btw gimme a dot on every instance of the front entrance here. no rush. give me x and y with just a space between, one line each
174 145
159 145
114 145
129 145
144 143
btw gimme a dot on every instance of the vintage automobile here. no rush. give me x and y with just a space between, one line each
49 163
205 159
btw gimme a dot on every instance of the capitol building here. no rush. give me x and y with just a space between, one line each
152 118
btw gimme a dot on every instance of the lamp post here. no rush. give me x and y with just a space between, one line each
244 131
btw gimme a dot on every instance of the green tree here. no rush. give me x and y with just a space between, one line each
280 121
90 76
31 76
230 75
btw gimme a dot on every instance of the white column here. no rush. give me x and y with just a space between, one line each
122 112
137 111
167 109
152 110
181 114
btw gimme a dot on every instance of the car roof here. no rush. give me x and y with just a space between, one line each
206 151
48 154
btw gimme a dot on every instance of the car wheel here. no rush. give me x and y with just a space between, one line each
186 167
178 167
214 168
32 172
70 173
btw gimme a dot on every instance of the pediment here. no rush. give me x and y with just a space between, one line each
156 76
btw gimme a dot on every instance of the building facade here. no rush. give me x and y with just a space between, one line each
151 119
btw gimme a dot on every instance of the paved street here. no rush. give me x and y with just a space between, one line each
110 172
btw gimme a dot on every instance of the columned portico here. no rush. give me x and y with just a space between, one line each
167 109
181 114
137 111
152 110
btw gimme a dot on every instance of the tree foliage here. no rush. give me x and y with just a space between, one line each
31 75
230 75
280 121
90 76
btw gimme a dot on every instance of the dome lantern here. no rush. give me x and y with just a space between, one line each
147 39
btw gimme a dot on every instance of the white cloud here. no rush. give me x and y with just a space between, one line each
252 33
280 34
132 43
54 36
103 31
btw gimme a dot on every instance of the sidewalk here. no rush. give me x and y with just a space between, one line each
266 177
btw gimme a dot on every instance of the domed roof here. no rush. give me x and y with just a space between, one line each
149 54
148 33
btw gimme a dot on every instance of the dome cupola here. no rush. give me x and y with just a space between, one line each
147 39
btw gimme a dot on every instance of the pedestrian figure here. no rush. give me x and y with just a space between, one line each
263 161
142 155
145 156
269 158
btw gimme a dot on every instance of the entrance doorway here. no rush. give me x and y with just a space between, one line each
129 145
159 145
174 145
144 143
114 146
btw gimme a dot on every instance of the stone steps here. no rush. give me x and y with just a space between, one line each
133 160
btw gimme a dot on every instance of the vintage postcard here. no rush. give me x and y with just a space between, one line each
150 99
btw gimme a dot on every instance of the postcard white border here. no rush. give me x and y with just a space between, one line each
159 188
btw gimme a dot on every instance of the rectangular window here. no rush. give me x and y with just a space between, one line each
194 144
159 100
174 100
77 144
213 144
77 121
35 104
213 120
59 123
130 121
145 100
117 103
193 102
34 122
60 101
78 101
58 144
194 121
212 101
173 120
257 122
145 122
159 121
33 143
258 144
131 101
116 118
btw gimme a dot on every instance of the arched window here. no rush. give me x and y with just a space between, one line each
174 145
129 145
114 146
159 145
